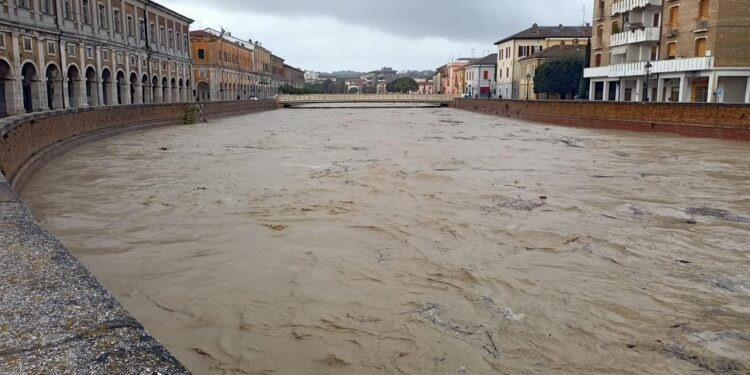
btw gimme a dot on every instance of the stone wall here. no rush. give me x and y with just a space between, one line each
692 119
55 317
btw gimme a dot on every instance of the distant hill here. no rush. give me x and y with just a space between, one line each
350 74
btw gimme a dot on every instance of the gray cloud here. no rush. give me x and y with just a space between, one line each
367 34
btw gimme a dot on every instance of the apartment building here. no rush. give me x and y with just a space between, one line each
57 54
526 43
294 77
671 51
222 67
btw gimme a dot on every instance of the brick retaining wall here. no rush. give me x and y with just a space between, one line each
727 121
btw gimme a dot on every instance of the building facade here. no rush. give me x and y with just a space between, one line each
57 54
223 66
455 76
480 77
294 77
529 64
526 43
671 51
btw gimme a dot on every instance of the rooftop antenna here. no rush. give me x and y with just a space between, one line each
583 18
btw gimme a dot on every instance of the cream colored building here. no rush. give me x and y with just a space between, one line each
57 54
526 43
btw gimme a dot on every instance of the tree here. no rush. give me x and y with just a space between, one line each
583 88
354 90
561 76
402 85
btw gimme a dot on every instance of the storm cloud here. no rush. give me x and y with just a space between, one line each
366 34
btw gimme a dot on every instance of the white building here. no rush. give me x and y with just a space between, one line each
480 77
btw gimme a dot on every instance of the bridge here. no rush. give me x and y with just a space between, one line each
294 100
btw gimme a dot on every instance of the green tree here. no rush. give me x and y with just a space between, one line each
583 88
402 85
561 76
354 90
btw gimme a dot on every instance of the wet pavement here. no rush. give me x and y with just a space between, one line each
416 241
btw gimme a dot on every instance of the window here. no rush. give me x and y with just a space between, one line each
2 40
67 10
45 6
89 52
120 58
72 50
171 38
105 54
500 72
130 26
86 12
654 53
486 74
163 35
116 20
185 41
507 72
51 49
164 66
674 16
179 42
142 29
598 60
671 51
201 54
700 47
102 16
133 62
27 46
152 32
23 4
703 9
615 27
599 36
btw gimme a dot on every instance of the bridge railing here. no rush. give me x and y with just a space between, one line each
338 98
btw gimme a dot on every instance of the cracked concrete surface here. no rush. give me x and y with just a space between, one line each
55 317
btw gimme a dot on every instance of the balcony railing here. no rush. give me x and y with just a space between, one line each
701 25
628 5
648 34
635 69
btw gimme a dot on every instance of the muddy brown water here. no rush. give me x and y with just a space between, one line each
416 241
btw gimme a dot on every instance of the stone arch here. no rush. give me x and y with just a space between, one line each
134 92
108 93
175 95
54 89
92 87
165 90
145 90
30 86
155 90
6 88
122 89
203 93
73 76
183 96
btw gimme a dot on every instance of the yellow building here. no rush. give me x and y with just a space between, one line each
529 64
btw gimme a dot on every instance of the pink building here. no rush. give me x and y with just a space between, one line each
425 88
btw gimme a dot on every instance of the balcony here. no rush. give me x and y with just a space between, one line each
701 26
647 34
636 69
628 5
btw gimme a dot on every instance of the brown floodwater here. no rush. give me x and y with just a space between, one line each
416 241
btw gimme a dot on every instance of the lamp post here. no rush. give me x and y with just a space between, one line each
528 78
648 67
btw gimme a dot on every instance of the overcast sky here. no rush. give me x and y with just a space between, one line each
363 35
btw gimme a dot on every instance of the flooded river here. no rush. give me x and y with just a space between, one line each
416 241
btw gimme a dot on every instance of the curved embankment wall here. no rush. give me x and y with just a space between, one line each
727 121
55 317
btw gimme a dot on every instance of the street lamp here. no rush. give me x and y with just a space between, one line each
648 76
528 78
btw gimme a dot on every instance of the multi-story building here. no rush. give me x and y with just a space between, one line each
529 64
456 78
81 53
439 80
425 88
311 76
480 77
223 66
294 77
526 43
263 70
671 50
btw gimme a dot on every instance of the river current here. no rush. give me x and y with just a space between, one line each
416 241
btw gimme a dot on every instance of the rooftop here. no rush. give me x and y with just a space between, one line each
557 51
544 32
490 59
